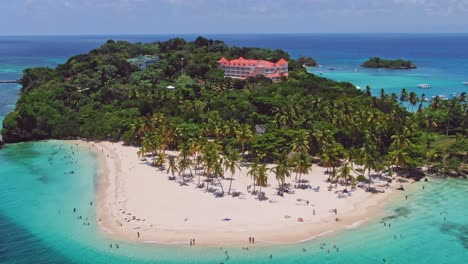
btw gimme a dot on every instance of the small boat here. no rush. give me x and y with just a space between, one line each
465 83
424 86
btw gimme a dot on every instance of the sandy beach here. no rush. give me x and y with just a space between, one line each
139 202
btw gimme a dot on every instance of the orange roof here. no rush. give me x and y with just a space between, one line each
282 62
223 60
252 63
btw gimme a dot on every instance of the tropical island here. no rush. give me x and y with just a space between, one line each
376 62
187 152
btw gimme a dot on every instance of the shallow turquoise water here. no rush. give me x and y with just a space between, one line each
38 193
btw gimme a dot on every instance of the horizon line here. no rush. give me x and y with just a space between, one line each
236 33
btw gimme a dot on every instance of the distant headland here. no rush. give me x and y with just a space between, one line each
376 62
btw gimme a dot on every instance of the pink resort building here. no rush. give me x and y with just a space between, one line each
243 68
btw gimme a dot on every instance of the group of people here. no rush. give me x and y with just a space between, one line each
192 242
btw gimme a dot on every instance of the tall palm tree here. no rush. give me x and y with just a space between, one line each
262 177
210 154
231 163
219 173
281 170
253 172
332 154
368 154
345 172
303 163
184 162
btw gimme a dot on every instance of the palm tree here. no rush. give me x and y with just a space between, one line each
210 154
413 99
301 143
383 96
400 141
231 163
367 155
403 95
281 170
198 162
172 167
399 158
303 163
332 153
345 172
253 172
245 135
219 172
184 162
160 159
262 177
368 90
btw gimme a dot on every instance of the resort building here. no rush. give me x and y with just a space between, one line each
243 68
143 61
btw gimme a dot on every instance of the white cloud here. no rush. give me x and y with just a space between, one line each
45 5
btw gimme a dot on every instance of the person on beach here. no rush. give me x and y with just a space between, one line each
253 240
193 241
190 242
138 234
250 240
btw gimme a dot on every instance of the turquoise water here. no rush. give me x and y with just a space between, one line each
38 191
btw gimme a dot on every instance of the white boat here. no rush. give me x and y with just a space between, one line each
424 86
465 83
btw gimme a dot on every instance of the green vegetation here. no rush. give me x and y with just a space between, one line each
306 61
211 119
376 62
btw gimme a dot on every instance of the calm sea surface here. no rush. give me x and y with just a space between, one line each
41 182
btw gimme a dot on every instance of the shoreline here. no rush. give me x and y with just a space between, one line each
135 198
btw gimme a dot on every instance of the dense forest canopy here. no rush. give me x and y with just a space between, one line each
376 62
101 96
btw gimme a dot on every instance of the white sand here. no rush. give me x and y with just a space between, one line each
136 197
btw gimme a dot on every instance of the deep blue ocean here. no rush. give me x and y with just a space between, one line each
37 194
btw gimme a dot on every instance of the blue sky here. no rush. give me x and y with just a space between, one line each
71 17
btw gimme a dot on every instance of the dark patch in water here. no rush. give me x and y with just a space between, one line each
458 231
399 212
19 246
44 179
